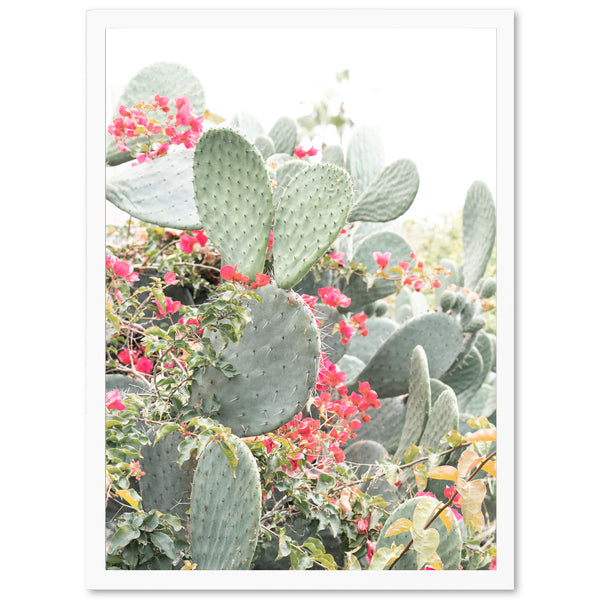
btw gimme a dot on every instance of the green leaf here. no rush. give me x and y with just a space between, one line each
284 547
352 563
122 537
165 543
384 557
185 449
325 483
230 453
299 561
165 430
319 554
150 522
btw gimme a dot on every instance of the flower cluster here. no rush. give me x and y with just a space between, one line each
229 273
141 122
114 400
341 414
333 297
301 153
357 324
121 268
187 242
132 357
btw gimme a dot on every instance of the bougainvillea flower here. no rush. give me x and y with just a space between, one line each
299 152
382 259
346 332
338 257
114 401
228 272
128 357
310 300
144 365
333 297
171 306
362 526
270 245
136 471
260 280
171 278
269 444
370 550
122 268
403 265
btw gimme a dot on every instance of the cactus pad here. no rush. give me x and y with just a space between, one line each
277 359
225 509
310 215
233 198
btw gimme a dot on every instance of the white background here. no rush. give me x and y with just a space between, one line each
431 93
43 242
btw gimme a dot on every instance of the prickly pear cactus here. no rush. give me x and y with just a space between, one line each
234 198
450 540
277 360
225 508
310 215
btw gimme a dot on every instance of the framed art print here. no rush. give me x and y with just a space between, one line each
300 299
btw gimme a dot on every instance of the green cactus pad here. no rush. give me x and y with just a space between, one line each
366 455
418 405
487 288
479 232
442 420
225 509
334 155
450 544
365 157
380 329
352 366
446 280
234 198
380 241
389 195
388 369
248 123
165 487
284 174
164 78
466 373
386 421
126 384
310 216
284 135
264 144
160 192
277 360
409 303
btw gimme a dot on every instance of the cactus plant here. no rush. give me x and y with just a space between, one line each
277 360
225 508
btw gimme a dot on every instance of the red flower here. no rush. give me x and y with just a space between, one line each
362 526
382 259
143 365
269 444
128 357
260 280
346 332
333 297
114 401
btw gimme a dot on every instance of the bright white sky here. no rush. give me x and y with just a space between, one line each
431 92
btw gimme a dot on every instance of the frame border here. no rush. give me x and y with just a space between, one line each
97 21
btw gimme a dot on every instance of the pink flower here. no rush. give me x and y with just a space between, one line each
310 300
338 257
382 259
370 550
435 284
418 285
171 306
403 265
333 297
227 272
114 401
418 494
299 152
346 332
311 151
270 246
362 526
428 568
269 444
259 281
122 268
136 471
128 357
493 565
171 278
143 365
359 319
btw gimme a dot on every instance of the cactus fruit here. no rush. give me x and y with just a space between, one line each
225 508
234 198
311 213
277 360
450 540
441 337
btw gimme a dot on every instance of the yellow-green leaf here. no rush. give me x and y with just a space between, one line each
188 566
466 461
447 518
490 467
127 495
423 511
352 563
444 472
399 526
482 435
425 542
473 493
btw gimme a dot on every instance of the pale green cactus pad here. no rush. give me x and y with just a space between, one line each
310 215
234 198
277 359
365 157
284 134
479 232
160 191
225 508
